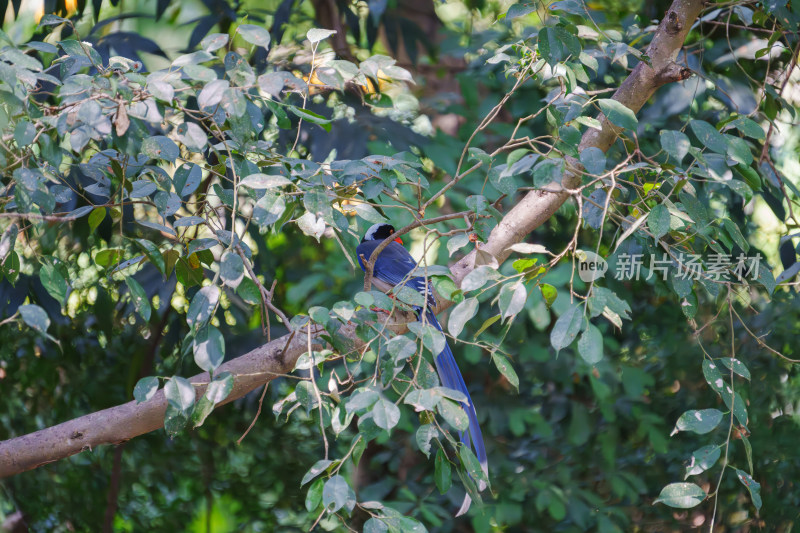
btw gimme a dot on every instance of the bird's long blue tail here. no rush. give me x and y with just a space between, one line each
451 378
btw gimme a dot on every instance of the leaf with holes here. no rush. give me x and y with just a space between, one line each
703 459
752 486
702 421
681 495
145 389
505 368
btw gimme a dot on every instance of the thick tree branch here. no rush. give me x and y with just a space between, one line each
277 357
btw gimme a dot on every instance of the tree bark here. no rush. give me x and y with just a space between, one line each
123 422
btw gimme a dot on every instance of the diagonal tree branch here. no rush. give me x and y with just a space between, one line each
254 369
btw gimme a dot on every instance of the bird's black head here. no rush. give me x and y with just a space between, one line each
378 232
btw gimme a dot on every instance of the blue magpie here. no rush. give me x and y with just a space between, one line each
394 266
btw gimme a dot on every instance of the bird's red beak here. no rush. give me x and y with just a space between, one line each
398 240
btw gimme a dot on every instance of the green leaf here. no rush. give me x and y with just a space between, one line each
35 317
443 472
209 348
748 127
460 315
385 414
335 493
160 147
216 391
139 298
548 171
423 399
703 459
179 393
145 389
401 347
96 217
731 398
519 10
425 434
361 399
477 278
748 451
318 468
344 309
618 114
736 234
512 299
549 293
681 495
314 495
473 466
752 486
505 368
264 181
54 282
739 151
606 302
254 34
590 345
453 414
24 133
214 41
312 117
203 305
375 525
316 35
567 327
447 289
231 269
320 315
593 160
153 254
556 44
186 179
486 324
432 338
736 365
702 421
456 242
658 220
211 95
709 136
675 143
175 420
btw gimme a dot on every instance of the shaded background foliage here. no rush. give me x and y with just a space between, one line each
578 448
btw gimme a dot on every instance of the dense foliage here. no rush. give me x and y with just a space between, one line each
162 211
